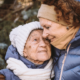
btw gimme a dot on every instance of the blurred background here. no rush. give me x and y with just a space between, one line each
12 14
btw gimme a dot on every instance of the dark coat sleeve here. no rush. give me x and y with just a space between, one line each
9 75
52 79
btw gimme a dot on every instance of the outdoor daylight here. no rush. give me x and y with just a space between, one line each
39 39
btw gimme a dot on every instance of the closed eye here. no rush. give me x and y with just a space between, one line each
47 27
47 40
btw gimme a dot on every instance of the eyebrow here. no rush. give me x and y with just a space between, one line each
33 36
44 25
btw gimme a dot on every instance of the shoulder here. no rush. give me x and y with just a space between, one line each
75 50
11 52
11 47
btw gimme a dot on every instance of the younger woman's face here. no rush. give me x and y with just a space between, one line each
52 30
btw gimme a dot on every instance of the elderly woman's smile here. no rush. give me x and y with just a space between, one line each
37 49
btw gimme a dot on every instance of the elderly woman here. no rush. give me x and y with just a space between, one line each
29 56
61 22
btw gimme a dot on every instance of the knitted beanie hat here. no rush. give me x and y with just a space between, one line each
19 35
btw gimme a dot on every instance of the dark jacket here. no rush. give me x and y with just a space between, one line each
68 65
12 52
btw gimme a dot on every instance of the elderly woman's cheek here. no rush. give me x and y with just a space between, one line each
29 47
47 55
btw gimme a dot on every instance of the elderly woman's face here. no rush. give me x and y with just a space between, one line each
37 48
52 30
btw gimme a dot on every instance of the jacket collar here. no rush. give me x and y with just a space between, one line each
76 41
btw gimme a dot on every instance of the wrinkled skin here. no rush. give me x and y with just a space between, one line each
37 49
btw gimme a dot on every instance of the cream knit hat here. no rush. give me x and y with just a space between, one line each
19 35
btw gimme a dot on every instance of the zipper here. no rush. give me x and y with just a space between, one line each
64 62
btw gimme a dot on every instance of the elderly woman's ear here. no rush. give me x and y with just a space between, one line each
25 52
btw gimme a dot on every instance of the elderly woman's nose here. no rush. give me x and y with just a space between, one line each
42 43
45 34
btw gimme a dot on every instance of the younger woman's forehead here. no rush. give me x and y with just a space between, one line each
45 22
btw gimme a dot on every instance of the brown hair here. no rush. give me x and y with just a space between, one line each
66 9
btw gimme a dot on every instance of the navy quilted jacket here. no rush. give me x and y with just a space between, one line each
12 52
68 61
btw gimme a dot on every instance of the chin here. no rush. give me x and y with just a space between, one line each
44 58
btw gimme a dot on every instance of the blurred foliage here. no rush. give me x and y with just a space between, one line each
12 14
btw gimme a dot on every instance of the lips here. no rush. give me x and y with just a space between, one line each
51 39
42 51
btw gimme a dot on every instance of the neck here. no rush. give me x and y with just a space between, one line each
37 62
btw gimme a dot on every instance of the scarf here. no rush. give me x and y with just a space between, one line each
63 41
23 72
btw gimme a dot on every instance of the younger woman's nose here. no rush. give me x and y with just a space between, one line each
45 34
